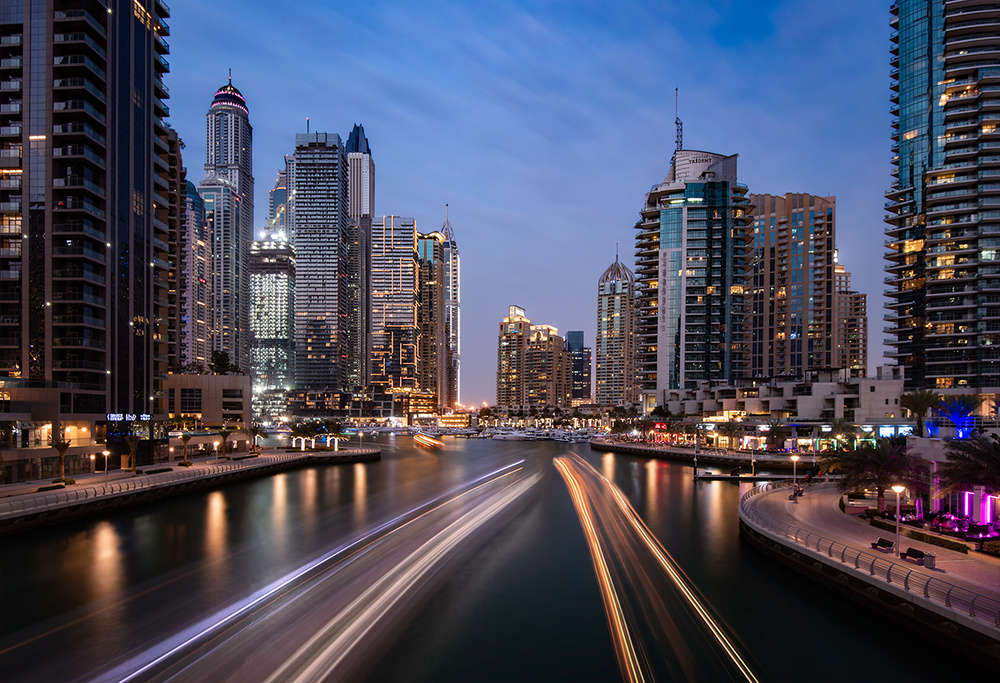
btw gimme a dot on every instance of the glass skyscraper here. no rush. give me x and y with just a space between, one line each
616 318
943 226
691 253
581 376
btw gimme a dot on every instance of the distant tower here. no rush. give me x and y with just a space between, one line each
850 325
228 193
394 304
616 318
318 220
582 361
533 366
197 311
272 322
361 202
433 357
452 312
277 198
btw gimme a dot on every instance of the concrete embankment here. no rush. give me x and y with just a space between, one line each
32 510
706 456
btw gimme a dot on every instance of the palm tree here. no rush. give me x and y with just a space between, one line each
732 430
303 430
777 433
843 428
972 462
61 446
255 431
918 403
132 440
225 432
185 438
959 410
878 467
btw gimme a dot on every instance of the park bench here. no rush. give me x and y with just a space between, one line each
883 544
913 554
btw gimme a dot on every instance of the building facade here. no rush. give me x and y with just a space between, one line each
394 282
692 276
361 202
534 370
451 393
197 311
228 194
616 318
317 215
272 324
943 223
581 357
433 360
851 325
793 296
85 200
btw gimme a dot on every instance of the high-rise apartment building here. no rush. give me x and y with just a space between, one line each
580 375
272 323
944 202
793 309
394 283
228 194
361 203
616 322
197 312
534 370
277 198
452 313
174 193
851 325
692 274
317 216
85 225
433 360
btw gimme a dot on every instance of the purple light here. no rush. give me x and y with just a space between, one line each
967 505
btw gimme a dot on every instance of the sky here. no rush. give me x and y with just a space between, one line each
544 124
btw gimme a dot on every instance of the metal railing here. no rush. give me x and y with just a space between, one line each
20 505
981 608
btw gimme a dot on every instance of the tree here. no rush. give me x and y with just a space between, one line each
732 430
841 428
219 365
61 446
303 430
777 433
224 433
918 403
255 431
660 411
879 467
959 410
332 428
972 462
185 438
132 440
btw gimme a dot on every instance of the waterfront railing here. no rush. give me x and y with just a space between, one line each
981 608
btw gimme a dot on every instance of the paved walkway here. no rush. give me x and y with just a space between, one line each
818 511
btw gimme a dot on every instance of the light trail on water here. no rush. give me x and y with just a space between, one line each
621 547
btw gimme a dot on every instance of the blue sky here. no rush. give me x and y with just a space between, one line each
543 124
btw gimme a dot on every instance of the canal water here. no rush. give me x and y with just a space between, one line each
525 607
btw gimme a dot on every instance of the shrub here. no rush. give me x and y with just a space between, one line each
992 547
843 508
160 470
185 463
921 536
67 482
51 487
245 457
854 495
872 513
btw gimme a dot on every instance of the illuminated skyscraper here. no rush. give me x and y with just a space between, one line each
692 274
318 219
616 318
196 285
451 393
361 192
582 360
277 198
534 370
394 279
850 325
272 322
228 194
944 202
433 358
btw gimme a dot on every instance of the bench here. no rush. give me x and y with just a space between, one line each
913 554
883 544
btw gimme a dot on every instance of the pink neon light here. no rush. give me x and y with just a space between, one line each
968 506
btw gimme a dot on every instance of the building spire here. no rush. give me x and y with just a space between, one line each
230 75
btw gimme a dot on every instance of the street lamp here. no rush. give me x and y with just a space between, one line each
795 479
898 489
107 454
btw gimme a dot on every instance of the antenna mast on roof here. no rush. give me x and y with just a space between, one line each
679 143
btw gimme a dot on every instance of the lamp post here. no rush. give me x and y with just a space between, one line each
795 479
898 489
107 454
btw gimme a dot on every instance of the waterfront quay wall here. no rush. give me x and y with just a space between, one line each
33 510
960 619
710 456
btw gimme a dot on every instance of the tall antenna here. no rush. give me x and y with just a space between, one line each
679 143
307 125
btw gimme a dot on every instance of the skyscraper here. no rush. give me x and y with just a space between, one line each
361 192
228 193
534 370
616 319
272 323
944 224
317 215
197 312
394 279
581 358
433 360
850 325
453 315
692 275
276 201
85 225
793 313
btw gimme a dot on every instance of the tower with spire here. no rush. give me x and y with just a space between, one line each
361 206
616 319
452 311
227 191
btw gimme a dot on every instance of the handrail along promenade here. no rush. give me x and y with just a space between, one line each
962 601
